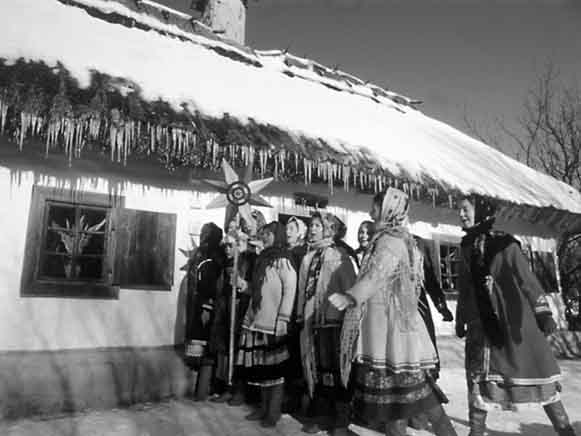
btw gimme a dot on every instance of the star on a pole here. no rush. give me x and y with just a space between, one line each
238 194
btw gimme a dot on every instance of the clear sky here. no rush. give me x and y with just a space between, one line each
473 56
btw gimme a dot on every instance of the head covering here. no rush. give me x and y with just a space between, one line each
279 232
484 212
301 228
266 258
210 236
330 223
394 210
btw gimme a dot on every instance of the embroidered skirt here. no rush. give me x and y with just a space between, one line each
533 378
262 358
381 396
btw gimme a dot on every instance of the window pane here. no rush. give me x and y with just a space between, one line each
61 216
93 220
90 268
93 244
59 241
57 266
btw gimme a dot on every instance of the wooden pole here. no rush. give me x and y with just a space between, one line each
234 282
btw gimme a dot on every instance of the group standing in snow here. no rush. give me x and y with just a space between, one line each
327 331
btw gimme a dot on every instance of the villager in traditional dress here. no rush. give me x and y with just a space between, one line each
339 239
234 394
325 269
364 235
296 232
504 315
431 286
263 352
384 337
204 274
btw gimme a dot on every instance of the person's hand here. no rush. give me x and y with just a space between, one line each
546 323
341 301
205 317
446 314
281 328
241 284
460 329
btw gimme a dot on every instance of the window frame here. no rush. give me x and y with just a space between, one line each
32 284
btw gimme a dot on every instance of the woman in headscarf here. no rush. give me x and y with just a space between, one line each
204 280
263 353
386 351
364 236
296 231
325 269
504 315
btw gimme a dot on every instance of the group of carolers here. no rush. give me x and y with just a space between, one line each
352 329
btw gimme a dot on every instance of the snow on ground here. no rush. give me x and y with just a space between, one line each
184 72
188 418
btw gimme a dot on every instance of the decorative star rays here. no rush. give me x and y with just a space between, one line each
237 194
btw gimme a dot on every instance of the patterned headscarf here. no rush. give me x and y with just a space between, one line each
301 228
394 210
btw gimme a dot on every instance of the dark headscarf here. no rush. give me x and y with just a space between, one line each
267 257
483 244
339 240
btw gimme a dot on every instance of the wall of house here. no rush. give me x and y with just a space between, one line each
154 318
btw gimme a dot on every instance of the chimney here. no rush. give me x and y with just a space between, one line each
227 18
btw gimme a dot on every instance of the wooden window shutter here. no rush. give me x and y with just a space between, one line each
144 249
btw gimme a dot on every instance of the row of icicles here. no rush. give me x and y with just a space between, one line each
125 136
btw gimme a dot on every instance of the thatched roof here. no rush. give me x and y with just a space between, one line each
166 86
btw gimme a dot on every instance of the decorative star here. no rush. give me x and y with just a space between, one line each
238 194
188 253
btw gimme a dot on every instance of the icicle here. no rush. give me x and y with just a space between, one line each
330 176
305 171
432 192
22 130
450 201
345 178
3 113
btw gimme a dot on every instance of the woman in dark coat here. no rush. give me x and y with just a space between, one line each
504 315
204 278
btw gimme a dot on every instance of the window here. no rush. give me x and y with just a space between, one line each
449 267
87 245
74 242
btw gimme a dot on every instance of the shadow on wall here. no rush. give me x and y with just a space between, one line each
63 381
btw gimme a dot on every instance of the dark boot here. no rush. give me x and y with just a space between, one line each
559 418
237 394
396 428
341 418
441 425
477 419
260 413
274 406
203 383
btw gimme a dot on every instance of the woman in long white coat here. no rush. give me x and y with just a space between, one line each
386 351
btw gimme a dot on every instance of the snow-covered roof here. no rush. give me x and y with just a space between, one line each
352 120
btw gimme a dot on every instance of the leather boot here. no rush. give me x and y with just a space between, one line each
203 383
274 406
441 425
396 428
237 394
260 413
559 418
341 418
477 418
